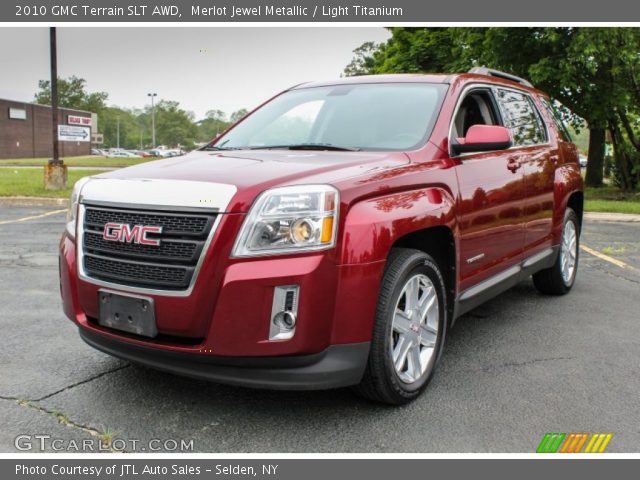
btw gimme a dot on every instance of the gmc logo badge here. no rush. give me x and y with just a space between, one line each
122 232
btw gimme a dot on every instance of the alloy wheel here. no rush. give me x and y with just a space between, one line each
414 330
568 251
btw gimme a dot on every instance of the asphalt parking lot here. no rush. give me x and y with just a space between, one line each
516 368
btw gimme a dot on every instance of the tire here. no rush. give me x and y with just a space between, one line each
412 282
556 280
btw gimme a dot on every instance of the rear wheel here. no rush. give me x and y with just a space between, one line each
559 279
409 330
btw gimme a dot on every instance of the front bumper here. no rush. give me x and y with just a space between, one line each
337 366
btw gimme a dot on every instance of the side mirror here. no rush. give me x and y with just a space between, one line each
482 138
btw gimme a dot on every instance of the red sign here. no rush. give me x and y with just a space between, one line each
75 120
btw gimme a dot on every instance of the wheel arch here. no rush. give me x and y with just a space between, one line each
374 225
568 192
439 243
576 203
423 219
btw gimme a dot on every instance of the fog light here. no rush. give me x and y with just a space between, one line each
285 320
284 312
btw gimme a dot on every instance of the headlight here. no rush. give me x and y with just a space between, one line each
289 220
72 213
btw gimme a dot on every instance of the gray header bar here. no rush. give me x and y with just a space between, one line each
391 11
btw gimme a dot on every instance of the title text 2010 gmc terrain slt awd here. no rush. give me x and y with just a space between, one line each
331 237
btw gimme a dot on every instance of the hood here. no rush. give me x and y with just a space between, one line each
253 171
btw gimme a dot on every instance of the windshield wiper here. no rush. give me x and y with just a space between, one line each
211 147
221 146
307 146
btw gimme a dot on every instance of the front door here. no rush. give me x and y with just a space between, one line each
490 221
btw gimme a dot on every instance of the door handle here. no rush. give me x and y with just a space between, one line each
513 165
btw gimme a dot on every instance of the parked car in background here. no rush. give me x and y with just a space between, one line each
97 151
165 153
334 254
175 153
583 161
122 154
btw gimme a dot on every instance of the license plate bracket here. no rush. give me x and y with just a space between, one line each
128 313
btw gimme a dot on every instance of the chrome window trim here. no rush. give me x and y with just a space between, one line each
492 87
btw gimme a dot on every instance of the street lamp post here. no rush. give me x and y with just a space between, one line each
153 119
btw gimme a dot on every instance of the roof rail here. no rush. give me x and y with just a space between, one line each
497 73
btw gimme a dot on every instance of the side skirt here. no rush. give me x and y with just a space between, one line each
499 283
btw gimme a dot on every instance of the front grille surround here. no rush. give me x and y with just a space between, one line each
168 269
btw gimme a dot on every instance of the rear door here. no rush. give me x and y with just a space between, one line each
532 152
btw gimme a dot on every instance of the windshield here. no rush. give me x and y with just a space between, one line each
391 116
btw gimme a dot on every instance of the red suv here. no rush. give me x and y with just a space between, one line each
331 237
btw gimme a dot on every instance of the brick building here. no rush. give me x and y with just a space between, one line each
25 130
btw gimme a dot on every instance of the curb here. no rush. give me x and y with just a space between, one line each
69 167
611 217
34 201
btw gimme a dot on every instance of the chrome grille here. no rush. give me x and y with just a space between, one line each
169 249
170 265
171 223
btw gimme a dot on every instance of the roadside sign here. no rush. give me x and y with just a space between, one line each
17 113
70 133
76 120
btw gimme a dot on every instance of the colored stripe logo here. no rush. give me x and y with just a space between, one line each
574 442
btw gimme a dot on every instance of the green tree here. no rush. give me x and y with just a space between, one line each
216 115
411 50
365 59
212 125
238 114
114 118
592 71
174 126
72 93
586 69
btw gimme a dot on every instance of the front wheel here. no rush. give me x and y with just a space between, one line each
409 329
559 279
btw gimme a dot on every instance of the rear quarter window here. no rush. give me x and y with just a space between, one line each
555 116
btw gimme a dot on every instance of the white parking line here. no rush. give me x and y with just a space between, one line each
33 217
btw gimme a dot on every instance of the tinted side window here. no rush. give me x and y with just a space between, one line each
555 115
521 117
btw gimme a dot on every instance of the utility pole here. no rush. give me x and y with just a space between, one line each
153 119
54 94
55 172
118 130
